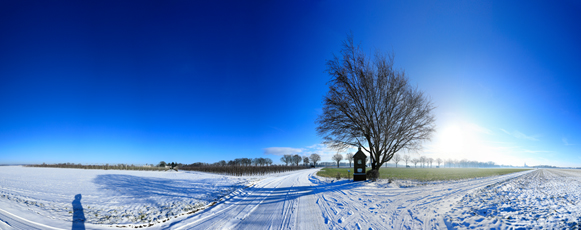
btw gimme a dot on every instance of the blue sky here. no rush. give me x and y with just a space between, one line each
143 81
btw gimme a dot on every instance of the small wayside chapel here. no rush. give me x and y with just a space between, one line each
359 167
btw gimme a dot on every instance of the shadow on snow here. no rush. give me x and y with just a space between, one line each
146 187
78 214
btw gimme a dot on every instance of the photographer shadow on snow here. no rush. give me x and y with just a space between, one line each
78 214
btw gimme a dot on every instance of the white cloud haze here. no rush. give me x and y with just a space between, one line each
279 151
520 135
566 142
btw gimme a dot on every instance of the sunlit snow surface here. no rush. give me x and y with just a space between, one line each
111 196
545 198
293 200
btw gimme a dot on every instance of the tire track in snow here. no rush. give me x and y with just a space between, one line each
15 222
219 215
302 201
402 208
270 204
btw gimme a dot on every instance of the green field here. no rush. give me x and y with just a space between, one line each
425 174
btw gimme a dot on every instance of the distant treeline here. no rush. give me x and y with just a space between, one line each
241 170
236 167
469 164
241 162
241 167
102 166
544 166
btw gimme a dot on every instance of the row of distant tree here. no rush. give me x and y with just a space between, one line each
239 170
296 159
422 161
236 167
242 167
101 166
450 163
236 162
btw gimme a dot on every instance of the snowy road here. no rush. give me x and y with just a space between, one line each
284 202
299 200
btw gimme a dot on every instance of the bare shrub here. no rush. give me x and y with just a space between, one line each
372 175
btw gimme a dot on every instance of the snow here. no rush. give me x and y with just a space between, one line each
547 198
111 197
292 200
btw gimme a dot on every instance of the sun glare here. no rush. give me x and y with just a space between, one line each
452 139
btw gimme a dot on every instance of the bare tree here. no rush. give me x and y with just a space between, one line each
315 158
268 161
246 161
306 161
415 161
338 158
287 159
297 159
430 160
373 106
396 158
349 157
406 158
422 160
439 161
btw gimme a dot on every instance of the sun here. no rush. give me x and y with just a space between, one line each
452 139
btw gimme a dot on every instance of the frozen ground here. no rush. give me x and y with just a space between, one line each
544 198
301 200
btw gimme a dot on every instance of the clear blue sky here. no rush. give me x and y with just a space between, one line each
145 81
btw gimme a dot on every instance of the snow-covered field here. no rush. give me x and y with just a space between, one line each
545 198
109 197
293 200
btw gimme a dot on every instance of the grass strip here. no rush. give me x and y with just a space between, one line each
425 174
